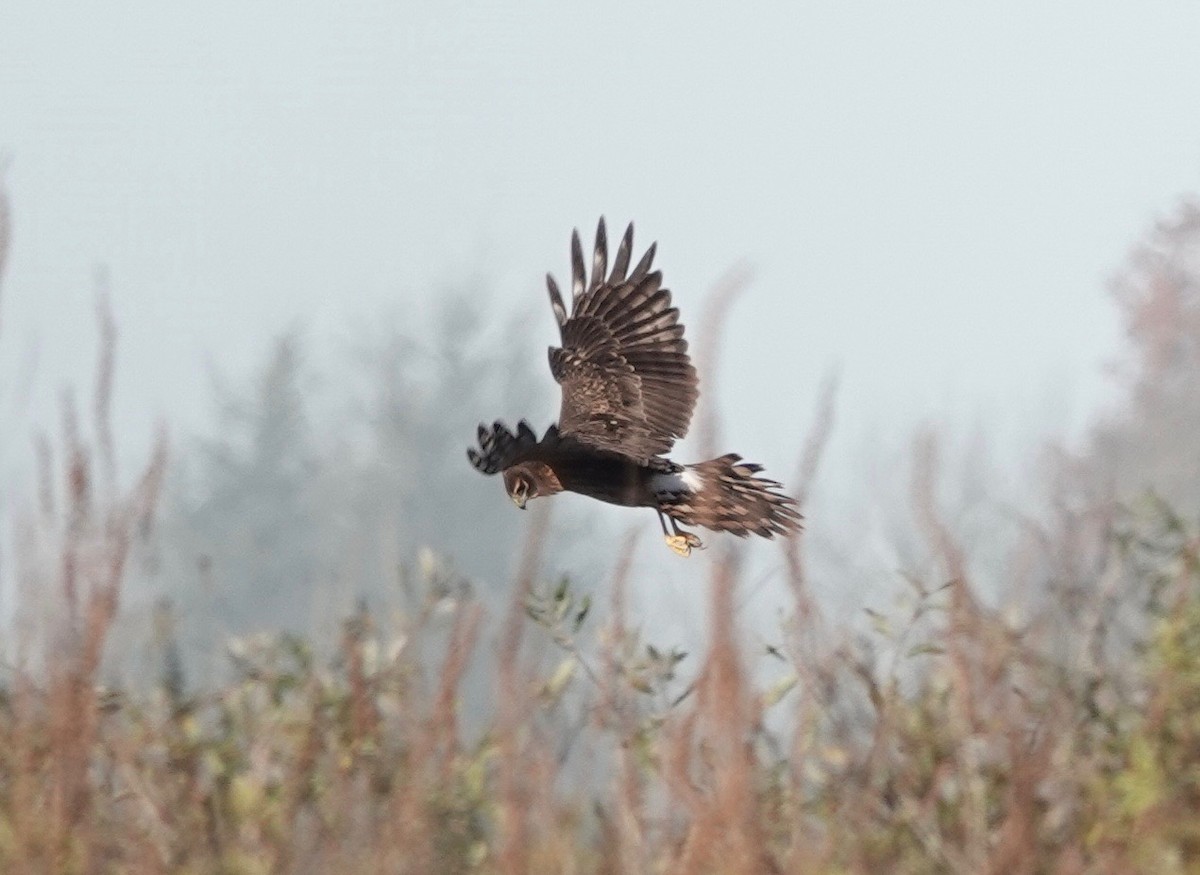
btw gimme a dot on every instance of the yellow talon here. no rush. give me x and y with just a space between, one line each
679 544
683 543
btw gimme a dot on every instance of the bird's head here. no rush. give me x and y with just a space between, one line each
520 486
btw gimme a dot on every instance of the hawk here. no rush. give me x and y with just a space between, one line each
628 391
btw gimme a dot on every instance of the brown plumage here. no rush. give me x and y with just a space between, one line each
628 391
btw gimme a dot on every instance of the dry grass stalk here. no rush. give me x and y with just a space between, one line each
57 695
625 840
716 312
517 762
714 758
977 750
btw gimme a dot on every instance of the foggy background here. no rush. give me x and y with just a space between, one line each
338 218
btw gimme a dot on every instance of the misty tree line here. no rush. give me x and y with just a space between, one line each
1142 457
298 507
1153 439
290 513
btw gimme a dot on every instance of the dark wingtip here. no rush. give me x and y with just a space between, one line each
599 255
556 301
643 266
621 264
577 268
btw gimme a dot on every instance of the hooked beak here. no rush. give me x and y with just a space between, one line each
519 500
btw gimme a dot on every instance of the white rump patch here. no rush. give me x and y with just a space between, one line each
677 483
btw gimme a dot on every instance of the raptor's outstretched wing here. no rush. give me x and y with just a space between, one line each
628 385
499 448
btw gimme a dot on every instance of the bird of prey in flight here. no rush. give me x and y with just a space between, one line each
628 391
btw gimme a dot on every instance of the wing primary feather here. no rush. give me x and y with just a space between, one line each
643 266
556 301
577 268
622 263
647 296
599 256
627 383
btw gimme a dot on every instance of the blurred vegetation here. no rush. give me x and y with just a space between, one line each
296 507
1150 437
947 739
1056 734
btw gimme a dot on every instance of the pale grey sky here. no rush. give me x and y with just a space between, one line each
933 194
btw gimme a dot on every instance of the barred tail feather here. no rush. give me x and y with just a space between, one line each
729 497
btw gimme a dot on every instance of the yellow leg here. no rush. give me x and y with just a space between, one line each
683 543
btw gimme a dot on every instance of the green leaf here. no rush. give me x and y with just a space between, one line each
584 606
639 683
879 622
779 689
557 682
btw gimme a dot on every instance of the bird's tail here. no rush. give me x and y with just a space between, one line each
726 496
